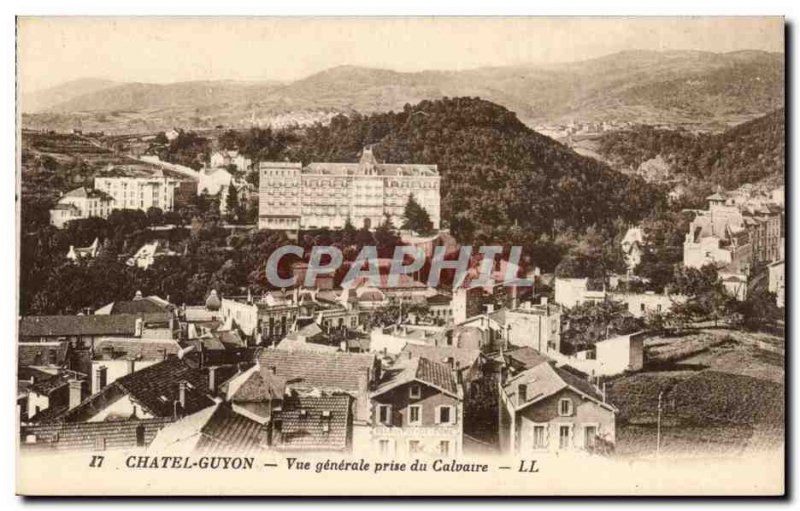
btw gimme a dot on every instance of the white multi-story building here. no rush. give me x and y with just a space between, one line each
139 192
80 203
325 195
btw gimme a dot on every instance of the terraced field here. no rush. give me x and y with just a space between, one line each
723 394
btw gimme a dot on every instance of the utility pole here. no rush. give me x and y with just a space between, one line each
658 425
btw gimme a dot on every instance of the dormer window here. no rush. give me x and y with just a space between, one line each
565 407
414 392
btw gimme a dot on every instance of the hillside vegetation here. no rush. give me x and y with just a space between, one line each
500 180
750 152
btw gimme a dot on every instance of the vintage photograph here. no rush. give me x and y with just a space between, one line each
401 256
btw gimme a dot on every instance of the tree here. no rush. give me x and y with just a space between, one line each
589 322
232 206
416 218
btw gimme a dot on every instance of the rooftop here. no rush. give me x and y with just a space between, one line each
309 423
420 369
342 371
113 324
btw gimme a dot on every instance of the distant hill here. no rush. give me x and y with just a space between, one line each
640 86
746 153
501 181
63 93
149 96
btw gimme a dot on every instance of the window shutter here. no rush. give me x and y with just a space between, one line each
438 415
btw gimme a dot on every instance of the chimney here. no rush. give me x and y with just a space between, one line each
522 394
75 393
182 394
100 377
131 365
212 379
544 300
343 346
273 369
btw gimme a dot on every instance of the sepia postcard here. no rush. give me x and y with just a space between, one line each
401 256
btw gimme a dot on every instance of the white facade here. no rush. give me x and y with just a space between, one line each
325 195
80 203
139 192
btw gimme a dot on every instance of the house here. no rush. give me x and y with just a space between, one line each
611 356
116 357
89 436
216 181
440 308
417 409
53 396
85 329
173 134
175 387
139 305
534 325
79 253
225 158
546 408
215 429
147 254
313 424
314 415
570 292
354 374
80 203
777 282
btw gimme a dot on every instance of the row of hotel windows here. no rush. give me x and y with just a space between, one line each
371 185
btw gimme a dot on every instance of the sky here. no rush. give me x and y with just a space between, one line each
163 50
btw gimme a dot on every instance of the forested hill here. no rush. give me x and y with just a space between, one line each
745 153
500 180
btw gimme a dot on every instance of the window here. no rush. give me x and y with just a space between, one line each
444 447
414 392
385 415
383 446
414 414
589 436
565 407
564 432
444 415
100 444
414 447
539 436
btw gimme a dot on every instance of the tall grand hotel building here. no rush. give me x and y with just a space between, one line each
325 195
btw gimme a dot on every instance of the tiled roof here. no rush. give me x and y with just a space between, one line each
143 305
84 435
135 348
113 324
464 357
338 370
155 388
544 380
293 344
304 425
255 385
48 385
228 431
433 374
89 193
524 358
